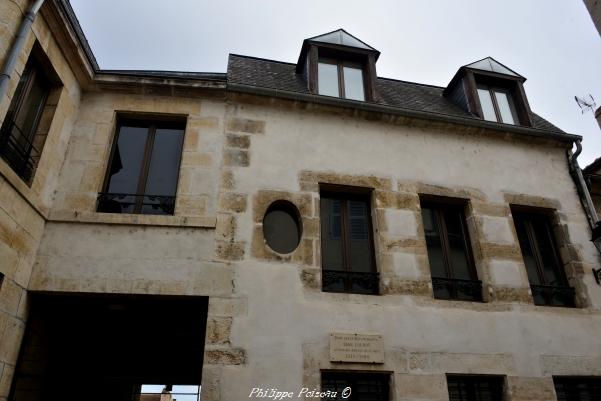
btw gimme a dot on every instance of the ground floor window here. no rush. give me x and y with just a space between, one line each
111 347
363 386
475 387
578 388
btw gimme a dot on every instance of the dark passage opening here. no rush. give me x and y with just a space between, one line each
110 347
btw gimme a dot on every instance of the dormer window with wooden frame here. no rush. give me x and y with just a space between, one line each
491 91
339 65
340 79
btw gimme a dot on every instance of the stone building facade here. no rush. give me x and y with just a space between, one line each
262 135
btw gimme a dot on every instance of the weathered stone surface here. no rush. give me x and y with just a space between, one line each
225 356
398 223
507 273
227 306
246 125
238 141
421 387
264 198
218 330
232 202
236 158
496 230
530 388
309 180
394 285
229 250
509 294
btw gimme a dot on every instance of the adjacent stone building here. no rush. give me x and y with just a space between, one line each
285 228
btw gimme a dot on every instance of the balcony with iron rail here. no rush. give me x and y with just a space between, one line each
457 289
109 202
350 282
18 150
552 295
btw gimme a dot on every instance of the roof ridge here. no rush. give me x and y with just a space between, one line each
412 83
261 58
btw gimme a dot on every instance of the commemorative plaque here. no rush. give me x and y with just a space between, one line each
357 348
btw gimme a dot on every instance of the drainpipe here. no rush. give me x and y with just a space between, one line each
585 196
13 53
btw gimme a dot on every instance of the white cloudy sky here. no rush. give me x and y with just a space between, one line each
553 43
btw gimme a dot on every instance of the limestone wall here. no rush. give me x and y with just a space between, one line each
287 152
23 207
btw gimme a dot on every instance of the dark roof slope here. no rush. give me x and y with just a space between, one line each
407 95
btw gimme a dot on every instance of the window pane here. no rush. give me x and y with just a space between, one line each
487 106
26 119
281 228
433 243
458 257
126 165
475 388
331 230
353 83
358 217
548 258
504 107
327 79
163 172
527 252
578 388
18 132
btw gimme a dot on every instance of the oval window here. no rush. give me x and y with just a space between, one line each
281 227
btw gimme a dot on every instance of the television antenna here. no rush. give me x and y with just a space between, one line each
586 104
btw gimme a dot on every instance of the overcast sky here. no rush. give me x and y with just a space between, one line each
553 43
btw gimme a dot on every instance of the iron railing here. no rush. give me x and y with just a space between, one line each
168 396
17 150
135 203
351 282
454 288
551 295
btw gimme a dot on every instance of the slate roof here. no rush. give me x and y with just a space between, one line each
282 76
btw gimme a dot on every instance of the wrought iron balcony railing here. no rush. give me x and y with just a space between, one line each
17 150
134 203
551 295
350 282
453 288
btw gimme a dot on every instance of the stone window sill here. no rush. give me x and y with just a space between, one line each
133 219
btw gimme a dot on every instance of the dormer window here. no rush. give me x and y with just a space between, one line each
338 64
491 91
340 79
497 104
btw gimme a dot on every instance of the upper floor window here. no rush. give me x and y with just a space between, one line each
347 253
547 277
372 386
341 79
449 252
497 104
21 142
475 387
577 388
144 168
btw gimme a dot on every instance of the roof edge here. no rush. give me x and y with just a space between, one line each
424 115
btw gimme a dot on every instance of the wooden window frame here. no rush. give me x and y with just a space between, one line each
151 125
513 87
353 376
526 215
492 90
471 379
33 71
440 207
344 194
565 384
340 64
